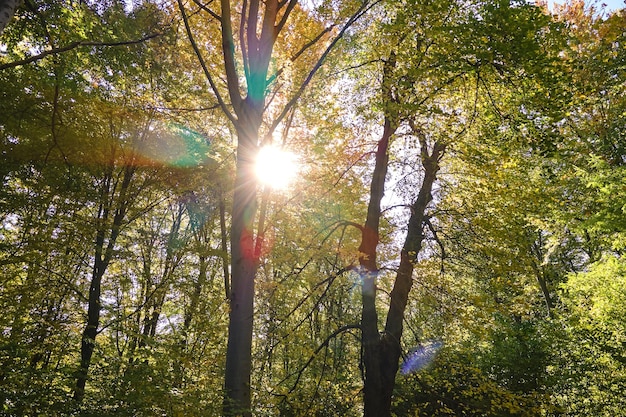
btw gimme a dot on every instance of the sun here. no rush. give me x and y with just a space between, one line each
276 167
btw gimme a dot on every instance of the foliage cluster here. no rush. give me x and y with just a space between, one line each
117 170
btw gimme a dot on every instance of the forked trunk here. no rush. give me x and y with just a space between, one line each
103 256
382 353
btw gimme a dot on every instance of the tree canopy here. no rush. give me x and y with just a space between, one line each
446 238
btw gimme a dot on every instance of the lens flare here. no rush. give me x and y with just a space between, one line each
174 145
420 357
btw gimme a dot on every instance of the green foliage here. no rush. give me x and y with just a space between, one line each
521 273
454 386
592 360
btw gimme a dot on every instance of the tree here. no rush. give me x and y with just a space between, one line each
417 91
90 141
480 142
259 28
588 175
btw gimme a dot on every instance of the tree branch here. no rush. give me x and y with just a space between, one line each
242 40
301 51
71 46
365 7
207 73
320 347
209 11
183 109
439 242
283 19
228 47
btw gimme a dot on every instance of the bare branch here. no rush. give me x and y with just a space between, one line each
491 100
320 347
71 46
356 66
301 51
209 11
283 19
312 42
184 109
439 242
207 73
365 7
329 282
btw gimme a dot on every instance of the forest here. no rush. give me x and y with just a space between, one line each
312 208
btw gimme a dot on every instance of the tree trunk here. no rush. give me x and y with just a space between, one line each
257 54
382 353
91 329
370 337
237 400
102 259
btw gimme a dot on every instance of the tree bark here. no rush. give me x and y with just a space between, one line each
370 337
224 247
368 268
257 52
91 329
237 400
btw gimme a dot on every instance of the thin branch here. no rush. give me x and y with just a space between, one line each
395 206
184 109
352 165
65 280
56 119
365 7
148 299
283 20
209 11
493 102
301 51
207 73
71 46
320 347
339 224
329 281
439 242
242 40
355 66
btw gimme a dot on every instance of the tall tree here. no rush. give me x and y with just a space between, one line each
587 177
259 27
419 94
